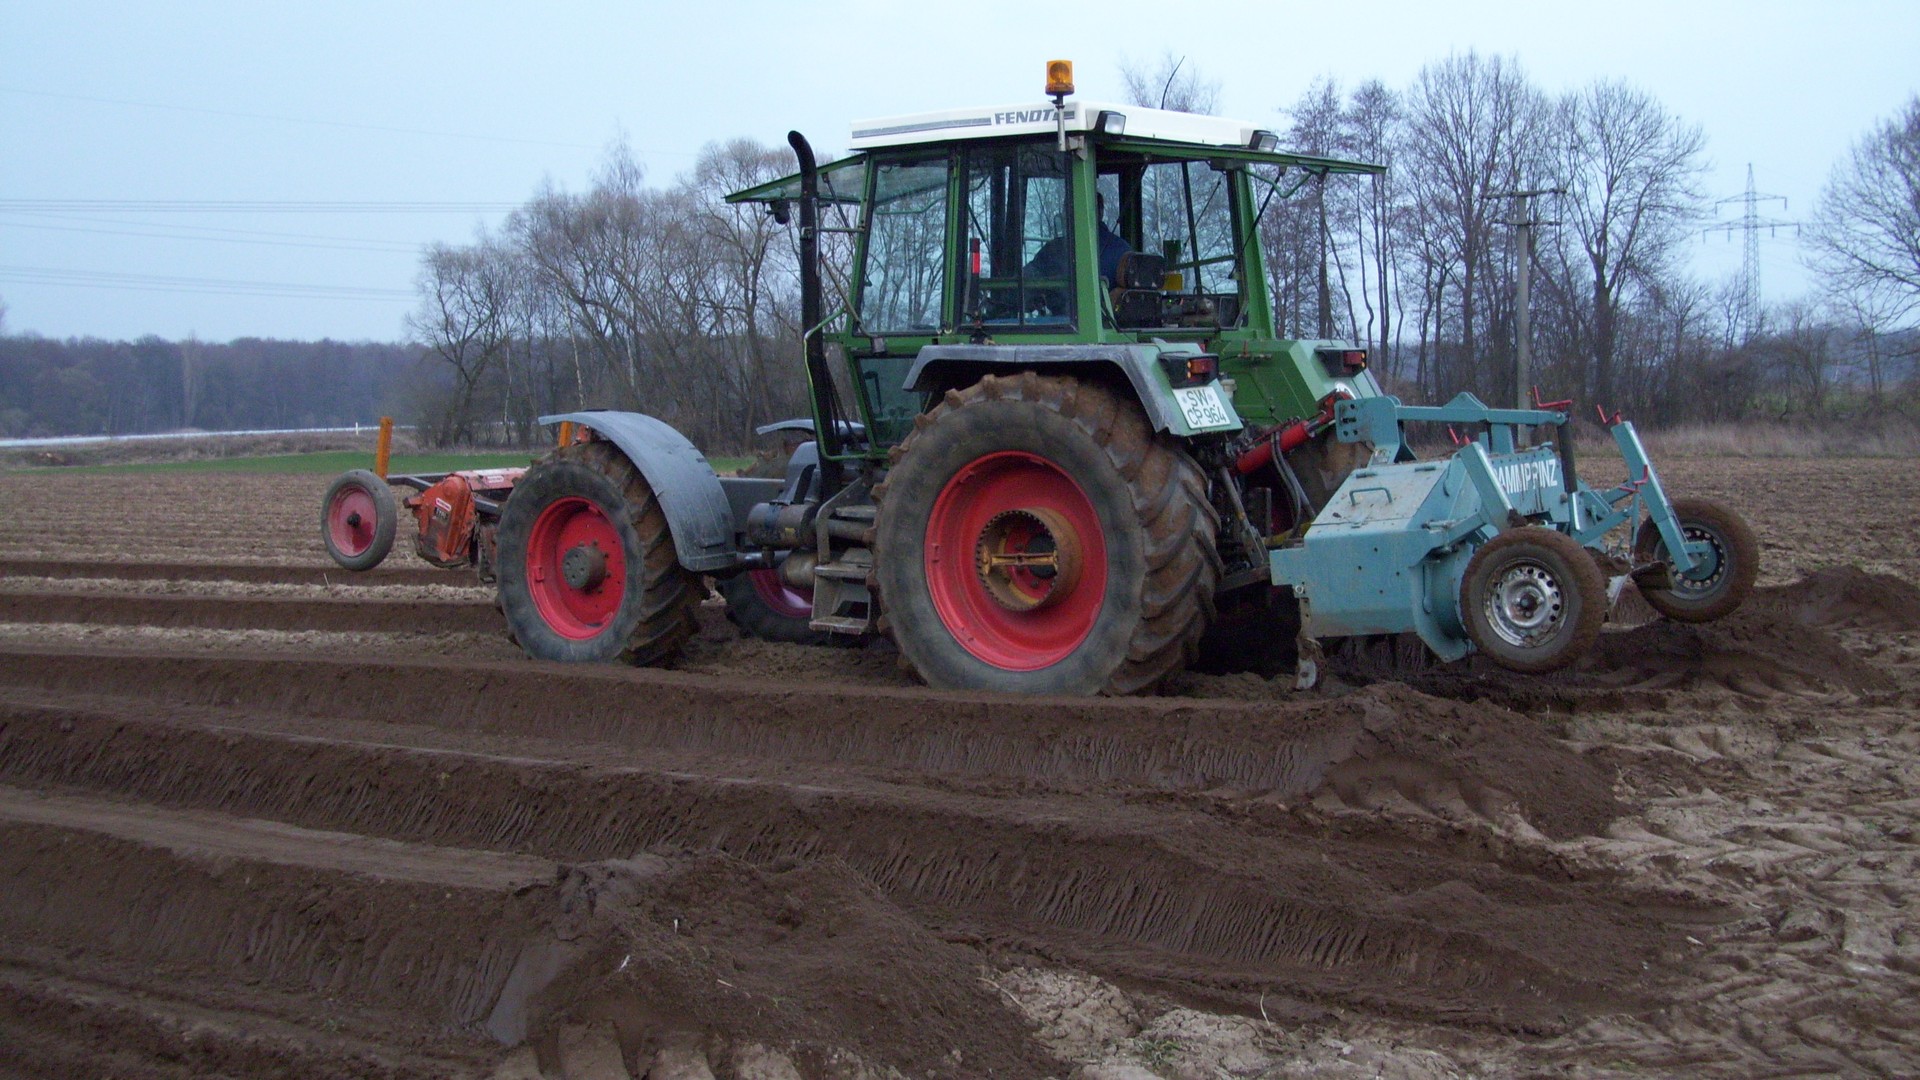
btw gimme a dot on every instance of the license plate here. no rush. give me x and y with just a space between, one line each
1202 407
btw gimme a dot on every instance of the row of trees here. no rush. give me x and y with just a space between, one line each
665 300
1422 263
86 386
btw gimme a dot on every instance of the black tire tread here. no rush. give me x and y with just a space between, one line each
670 593
1744 553
1169 495
1583 575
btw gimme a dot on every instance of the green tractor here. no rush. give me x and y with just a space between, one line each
1066 451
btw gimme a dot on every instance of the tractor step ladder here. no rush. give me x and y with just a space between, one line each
842 602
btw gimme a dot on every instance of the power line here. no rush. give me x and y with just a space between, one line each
98 279
184 227
1750 223
294 119
381 247
252 206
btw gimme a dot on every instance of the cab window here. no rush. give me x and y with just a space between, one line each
1019 221
905 268
1179 216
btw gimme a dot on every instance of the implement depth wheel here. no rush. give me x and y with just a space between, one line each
1533 600
1034 536
1723 578
587 568
358 516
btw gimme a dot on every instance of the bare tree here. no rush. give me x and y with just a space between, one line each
1865 234
192 379
1372 123
462 322
1471 129
1631 171
1316 130
1171 83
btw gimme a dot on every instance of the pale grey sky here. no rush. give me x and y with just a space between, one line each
470 106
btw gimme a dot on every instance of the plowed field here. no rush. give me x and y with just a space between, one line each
261 817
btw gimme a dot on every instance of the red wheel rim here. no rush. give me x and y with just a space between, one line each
1005 507
780 597
576 568
350 520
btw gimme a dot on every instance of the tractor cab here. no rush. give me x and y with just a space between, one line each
1079 223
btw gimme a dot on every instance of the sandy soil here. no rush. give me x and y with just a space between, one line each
262 818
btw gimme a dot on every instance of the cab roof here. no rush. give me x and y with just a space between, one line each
1143 129
1037 118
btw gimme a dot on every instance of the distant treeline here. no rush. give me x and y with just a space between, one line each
85 386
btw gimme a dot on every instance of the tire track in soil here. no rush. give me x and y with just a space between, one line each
327 575
410 931
1384 743
1146 889
255 613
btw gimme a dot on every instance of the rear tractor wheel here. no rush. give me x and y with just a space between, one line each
1716 586
358 516
1035 536
1533 600
587 567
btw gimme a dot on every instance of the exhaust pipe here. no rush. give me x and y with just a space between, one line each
826 412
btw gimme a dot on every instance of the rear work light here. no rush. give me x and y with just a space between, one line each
1191 370
1341 363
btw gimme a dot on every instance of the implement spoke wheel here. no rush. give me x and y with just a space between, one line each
1533 600
1714 588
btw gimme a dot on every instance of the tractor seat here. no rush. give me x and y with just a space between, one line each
1136 289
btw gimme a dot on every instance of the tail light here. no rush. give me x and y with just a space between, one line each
1191 370
1341 363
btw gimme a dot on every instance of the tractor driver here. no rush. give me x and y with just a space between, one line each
1055 256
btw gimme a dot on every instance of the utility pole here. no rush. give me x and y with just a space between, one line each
1525 223
1750 223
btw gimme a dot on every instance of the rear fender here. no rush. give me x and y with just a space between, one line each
942 367
698 513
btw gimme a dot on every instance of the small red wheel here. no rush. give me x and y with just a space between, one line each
576 568
358 516
764 606
1015 561
781 598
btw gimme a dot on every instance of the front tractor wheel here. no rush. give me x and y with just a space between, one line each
587 568
1721 580
1533 600
1034 536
